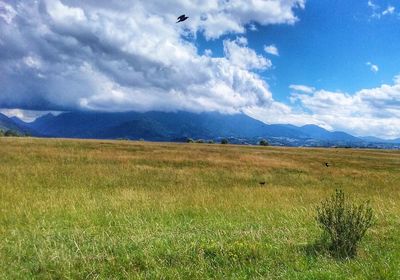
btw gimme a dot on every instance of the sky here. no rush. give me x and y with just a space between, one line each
335 64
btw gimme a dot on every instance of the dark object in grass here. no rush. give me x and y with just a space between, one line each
263 142
344 223
327 164
262 183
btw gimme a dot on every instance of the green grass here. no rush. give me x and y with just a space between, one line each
74 209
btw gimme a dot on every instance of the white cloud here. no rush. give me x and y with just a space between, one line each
389 10
271 49
253 27
240 55
302 88
372 5
131 55
373 67
373 111
208 52
32 62
377 11
7 12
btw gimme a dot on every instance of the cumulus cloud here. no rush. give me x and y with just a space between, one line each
240 55
271 49
130 55
367 112
373 111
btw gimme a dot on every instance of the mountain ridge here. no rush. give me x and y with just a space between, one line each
177 126
155 125
7 123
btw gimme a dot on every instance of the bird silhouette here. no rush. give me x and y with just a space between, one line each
262 183
182 18
327 164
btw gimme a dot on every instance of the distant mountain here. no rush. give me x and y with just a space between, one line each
7 123
317 132
178 126
373 139
152 125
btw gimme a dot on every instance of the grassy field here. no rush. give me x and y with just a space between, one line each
72 209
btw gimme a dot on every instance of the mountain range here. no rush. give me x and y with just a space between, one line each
179 126
9 124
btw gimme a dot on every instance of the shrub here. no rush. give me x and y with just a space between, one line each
189 140
224 141
345 224
210 141
264 142
11 133
1 133
200 141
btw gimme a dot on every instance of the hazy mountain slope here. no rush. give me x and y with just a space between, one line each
7 123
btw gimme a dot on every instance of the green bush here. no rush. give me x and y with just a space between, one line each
224 141
344 223
11 133
263 142
189 140
1 133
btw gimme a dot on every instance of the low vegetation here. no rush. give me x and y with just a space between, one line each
83 209
9 133
344 223
263 142
199 141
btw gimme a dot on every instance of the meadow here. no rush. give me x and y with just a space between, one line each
86 209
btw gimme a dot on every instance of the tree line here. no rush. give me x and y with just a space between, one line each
11 133
263 142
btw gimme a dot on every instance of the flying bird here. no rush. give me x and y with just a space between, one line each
182 18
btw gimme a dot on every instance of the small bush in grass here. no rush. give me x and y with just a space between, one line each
189 140
224 141
263 142
345 224
11 133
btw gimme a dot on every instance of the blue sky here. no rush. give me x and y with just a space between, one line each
330 63
329 47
